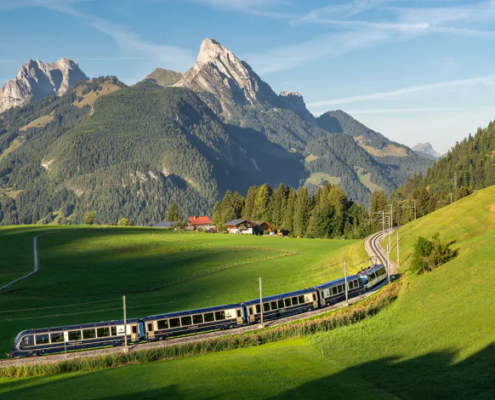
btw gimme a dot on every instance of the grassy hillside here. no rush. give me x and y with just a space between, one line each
436 341
84 272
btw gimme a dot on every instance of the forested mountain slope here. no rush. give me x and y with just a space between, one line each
469 166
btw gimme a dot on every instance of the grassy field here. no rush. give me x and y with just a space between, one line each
85 271
319 178
436 341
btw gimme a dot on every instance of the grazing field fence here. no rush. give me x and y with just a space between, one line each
321 323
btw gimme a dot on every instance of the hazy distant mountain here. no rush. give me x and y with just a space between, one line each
164 77
426 150
36 80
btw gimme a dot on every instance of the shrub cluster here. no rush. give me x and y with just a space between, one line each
322 323
430 254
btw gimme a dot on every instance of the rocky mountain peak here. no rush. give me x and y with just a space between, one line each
426 148
295 102
231 81
36 79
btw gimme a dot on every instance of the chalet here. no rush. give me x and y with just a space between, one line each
260 227
195 223
166 225
240 226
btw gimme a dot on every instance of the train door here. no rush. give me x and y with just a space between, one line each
134 332
150 329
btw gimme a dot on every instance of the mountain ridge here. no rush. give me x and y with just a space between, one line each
36 80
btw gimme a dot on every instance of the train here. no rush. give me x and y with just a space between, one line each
70 338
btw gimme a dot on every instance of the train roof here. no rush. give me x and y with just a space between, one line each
371 269
279 296
336 282
191 312
78 326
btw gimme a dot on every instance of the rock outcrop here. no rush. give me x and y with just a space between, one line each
296 103
36 79
232 82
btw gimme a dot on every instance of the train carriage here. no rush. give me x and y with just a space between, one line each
372 276
36 342
281 305
334 291
162 326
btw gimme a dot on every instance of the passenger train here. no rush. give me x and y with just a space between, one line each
36 342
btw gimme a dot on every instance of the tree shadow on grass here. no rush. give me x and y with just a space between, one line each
431 376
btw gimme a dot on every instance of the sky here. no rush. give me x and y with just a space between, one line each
415 70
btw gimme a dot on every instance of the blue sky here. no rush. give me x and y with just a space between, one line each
415 70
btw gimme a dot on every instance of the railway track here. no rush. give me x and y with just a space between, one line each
372 246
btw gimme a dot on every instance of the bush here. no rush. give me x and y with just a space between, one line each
124 222
430 254
90 217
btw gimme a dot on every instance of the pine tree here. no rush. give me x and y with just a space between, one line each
302 212
290 208
261 210
173 213
247 211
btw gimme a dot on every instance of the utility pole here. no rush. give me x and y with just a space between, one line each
414 209
398 262
388 262
346 288
261 303
455 182
126 349
390 222
451 199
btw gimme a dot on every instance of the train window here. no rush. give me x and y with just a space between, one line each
334 290
219 315
258 309
266 307
25 341
198 319
162 324
42 339
250 310
103 332
134 329
74 335
239 314
209 317
186 321
340 288
150 327
314 297
174 322
295 301
89 334
57 337
280 304
287 302
273 305
301 299
113 329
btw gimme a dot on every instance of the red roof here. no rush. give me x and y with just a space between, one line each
199 220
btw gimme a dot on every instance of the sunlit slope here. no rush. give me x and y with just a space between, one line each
437 340
85 271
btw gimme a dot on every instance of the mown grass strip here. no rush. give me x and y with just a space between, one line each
326 322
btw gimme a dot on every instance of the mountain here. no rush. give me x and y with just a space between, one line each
426 150
36 80
164 77
131 151
467 167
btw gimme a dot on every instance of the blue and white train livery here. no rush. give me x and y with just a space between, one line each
35 342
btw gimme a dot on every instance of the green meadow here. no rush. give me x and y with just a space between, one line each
436 341
84 272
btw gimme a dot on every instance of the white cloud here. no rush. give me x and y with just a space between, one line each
488 80
131 43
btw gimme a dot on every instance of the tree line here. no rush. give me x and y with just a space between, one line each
326 214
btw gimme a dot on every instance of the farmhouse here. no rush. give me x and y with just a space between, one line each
240 226
195 223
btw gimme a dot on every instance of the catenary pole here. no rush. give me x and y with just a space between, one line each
398 262
125 326
414 209
346 288
261 303
388 262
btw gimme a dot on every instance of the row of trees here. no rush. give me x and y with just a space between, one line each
326 214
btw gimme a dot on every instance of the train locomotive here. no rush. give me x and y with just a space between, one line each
37 342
